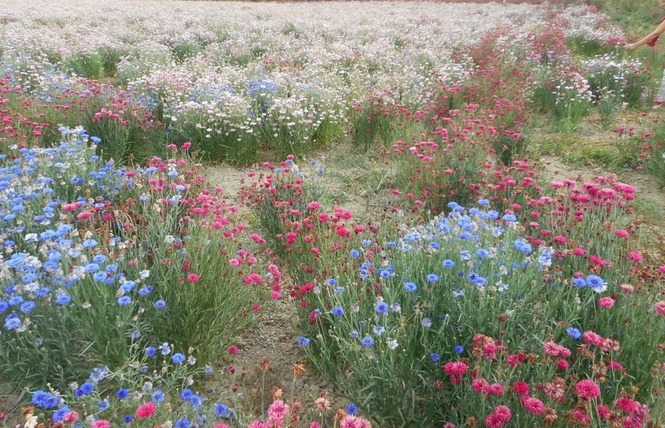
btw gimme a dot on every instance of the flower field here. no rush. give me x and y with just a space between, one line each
478 292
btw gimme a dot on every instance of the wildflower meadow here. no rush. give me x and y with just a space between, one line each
474 288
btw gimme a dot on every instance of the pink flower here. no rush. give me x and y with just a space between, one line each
621 233
313 206
635 256
278 411
222 426
354 422
70 417
587 389
628 405
101 423
314 425
192 278
146 410
660 308
504 412
455 368
186 145
606 302
532 404
604 412
233 349
494 421
521 388
627 288
258 424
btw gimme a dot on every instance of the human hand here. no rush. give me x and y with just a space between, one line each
629 46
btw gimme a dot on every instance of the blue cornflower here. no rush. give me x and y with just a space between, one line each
59 414
98 374
182 423
12 322
509 218
62 299
434 245
432 277
579 282
99 258
91 268
160 304
331 282
596 283
222 410
448 264
122 393
45 400
379 330
99 276
354 253
128 286
367 342
459 349
144 291
196 401
186 394
89 243
574 332
103 404
150 351
337 311
381 308
410 287
303 341
366 242
28 307
85 389
128 419
15 301
435 357
483 202
351 409
158 396
178 358
482 253
124 300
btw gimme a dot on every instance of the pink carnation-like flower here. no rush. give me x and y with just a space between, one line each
660 308
621 233
627 288
503 412
192 278
521 388
455 368
635 256
628 405
146 410
354 422
587 389
606 302
494 421
101 423
532 404
278 411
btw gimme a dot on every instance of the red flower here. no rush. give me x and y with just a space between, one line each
146 410
193 278
587 389
522 388
532 404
